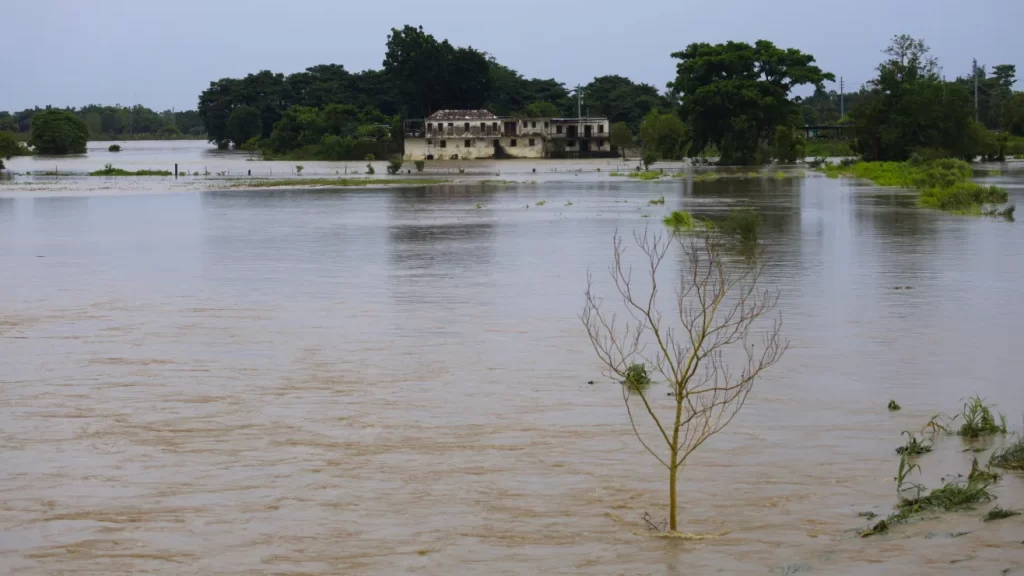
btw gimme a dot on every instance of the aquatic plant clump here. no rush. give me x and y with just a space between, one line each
893 406
914 447
979 420
646 175
114 148
680 220
657 201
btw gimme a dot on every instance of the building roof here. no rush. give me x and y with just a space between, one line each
462 115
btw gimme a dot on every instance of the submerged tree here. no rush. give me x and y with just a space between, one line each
716 306
620 137
58 132
9 146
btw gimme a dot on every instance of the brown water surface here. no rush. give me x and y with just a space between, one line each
395 381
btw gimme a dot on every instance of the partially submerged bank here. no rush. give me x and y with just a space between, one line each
943 184
337 183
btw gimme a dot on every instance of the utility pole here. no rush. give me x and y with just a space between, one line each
975 69
579 101
842 98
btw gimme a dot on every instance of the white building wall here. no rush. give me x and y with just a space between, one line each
454 148
523 147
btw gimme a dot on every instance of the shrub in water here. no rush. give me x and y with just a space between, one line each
114 148
743 224
395 165
680 220
419 165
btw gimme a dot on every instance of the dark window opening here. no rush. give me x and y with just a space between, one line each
483 126
532 142
570 143
430 126
546 125
467 127
558 129
600 128
600 143
533 124
429 142
444 143
512 144
494 126
468 144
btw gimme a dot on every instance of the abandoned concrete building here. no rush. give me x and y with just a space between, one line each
473 134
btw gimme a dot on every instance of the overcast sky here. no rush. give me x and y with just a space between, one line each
163 54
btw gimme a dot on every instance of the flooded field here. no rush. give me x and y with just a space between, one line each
394 381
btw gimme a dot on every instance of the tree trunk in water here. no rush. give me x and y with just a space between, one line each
672 472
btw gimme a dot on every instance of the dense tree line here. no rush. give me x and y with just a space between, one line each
419 75
909 110
112 122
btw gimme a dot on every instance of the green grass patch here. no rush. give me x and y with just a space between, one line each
656 202
542 202
617 174
893 406
646 175
109 170
955 495
707 176
998 513
337 182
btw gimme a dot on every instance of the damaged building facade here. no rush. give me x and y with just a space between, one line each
476 134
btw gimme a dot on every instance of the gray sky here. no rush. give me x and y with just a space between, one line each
163 54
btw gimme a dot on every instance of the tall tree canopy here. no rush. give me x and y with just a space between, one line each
621 100
58 132
733 95
909 108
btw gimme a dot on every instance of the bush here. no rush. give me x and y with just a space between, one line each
419 165
789 145
743 224
114 148
395 165
649 157
58 132
680 220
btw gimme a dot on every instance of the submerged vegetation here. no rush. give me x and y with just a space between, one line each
998 513
109 170
943 184
114 148
978 420
914 447
743 224
680 220
893 406
646 175
657 201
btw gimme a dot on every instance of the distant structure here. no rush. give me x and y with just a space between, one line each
473 134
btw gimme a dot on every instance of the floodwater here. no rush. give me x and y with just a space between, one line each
394 381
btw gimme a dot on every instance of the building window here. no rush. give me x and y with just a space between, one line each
467 144
444 143
558 129
483 126
494 126
429 142
570 143
600 128
600 143
430 126
532 142
467 126
533 124
512 143
546 125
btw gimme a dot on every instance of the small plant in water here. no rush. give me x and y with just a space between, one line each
395 165
998 513
114 148
657 202
299 168
568 202
479 206
914 447
893 406
419 165
743 224
542 202
637 379
1009 457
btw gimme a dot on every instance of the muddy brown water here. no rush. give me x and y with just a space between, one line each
395 381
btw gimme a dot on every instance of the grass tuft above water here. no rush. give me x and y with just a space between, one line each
1009 457
680 220
998 513
647 175
656 201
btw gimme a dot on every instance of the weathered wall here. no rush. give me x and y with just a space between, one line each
523 148
419 149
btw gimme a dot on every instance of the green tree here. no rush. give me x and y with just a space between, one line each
244 123
734 95
621 100
58 132
621 137
540 110
664 134
9 146
1013 114
789 145
908 108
